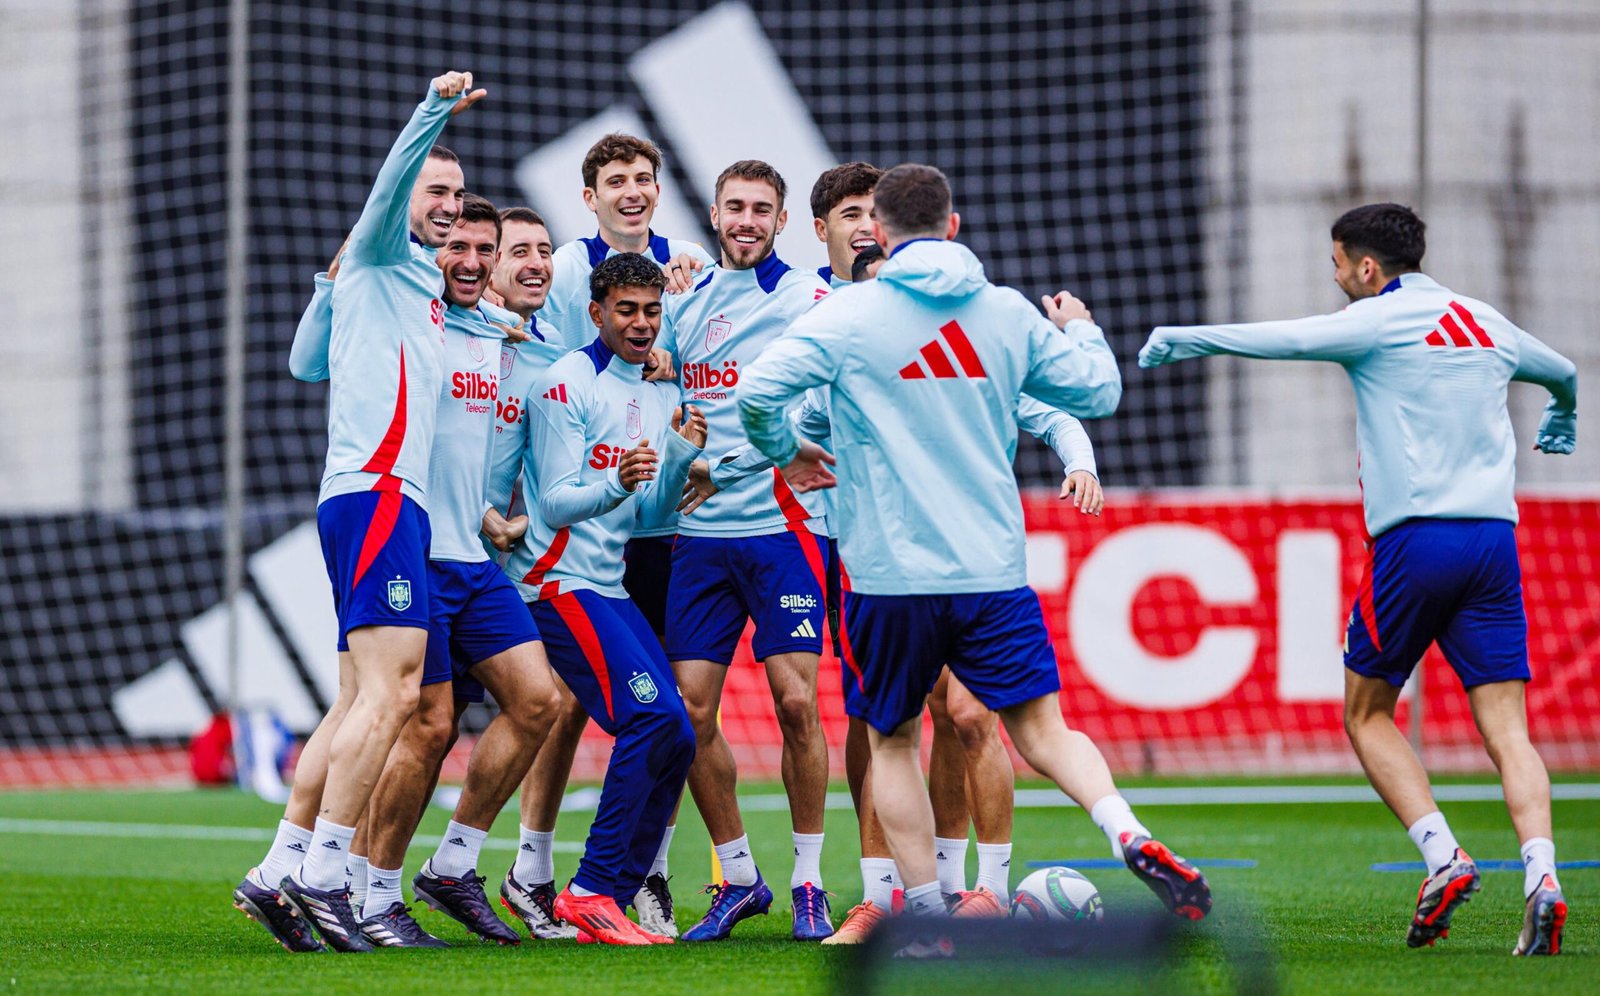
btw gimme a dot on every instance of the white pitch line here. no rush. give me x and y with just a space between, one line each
189 831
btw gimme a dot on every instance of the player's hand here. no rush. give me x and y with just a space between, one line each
697 489
454 84
681 272
636 465
514 333
503 533
1063 308
692 429
1084 489
338 257
1558 430
494 297
808 471
1155 352
659 365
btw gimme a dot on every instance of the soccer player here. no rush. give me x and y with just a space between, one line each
925 365
385 363
1430 369
755 550
479 635
841 214
591 474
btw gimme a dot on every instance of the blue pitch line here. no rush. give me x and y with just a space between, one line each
1496 865
1117 863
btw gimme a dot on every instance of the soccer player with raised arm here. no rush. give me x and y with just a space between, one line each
1430 368
591 475
753 551
925 365
385 364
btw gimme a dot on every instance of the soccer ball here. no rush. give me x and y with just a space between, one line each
1060 908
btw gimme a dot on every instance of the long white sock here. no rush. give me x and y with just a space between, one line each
1538 860
877 881
660 865
924 900
951 857
355 876
383 890
458 850
807 860
1115 817
994 869
535 863
738 864
1433 838
324 865
289 847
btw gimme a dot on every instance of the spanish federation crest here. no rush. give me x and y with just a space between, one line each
508 359
634 426
399 594
475 349
643 688
717 331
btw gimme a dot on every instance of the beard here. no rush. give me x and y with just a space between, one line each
745 256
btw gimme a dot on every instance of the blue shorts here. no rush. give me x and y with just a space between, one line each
1454 581
475 613
646 577
375 546
778 580
605 652
995 642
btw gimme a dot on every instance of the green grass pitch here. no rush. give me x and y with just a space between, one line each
151 911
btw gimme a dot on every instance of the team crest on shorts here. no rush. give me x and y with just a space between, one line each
717 331
643 688
508 359
634 425
475 349
399 594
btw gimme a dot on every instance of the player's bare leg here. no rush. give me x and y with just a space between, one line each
793 680
1075 764
713 778
529 886
990 793
879 876
903 808
947 791
1500 710
311 770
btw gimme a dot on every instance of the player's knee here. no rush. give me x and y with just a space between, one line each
797 713
433 728
535 709
702 719
975 725
402 701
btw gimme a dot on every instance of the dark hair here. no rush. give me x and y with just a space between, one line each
475 208
1392 234
912 199
754 169
440 152
625 269
526 215
618 148
865 258
848 180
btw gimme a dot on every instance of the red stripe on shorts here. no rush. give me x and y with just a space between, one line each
384 516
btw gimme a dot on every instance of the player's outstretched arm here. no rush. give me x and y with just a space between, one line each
1342 337
1539 364
807 355
381 235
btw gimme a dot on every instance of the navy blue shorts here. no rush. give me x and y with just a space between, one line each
995 642
375 546
646 577
475 613
778 580
605 652
1454 581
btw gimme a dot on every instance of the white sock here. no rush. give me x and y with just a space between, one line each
383 891
289 848
1114 818
535 862
951 855
1538 860
324 865
924 900
355 877
660 865
579 891
458 850
738 865
994 869
1433 838
877 881
807 860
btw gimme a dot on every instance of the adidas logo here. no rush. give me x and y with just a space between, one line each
741 854
821 293
1428 836
940 856
331 845
557 393
457 841
1006 863
1457 336
804 629
888 879
295 845
935 361
530 848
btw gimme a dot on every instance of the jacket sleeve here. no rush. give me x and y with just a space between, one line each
809 354
557 430
1061 432
1074 372
1342 337
658 499
810 420
308 353
382 235
1539 364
